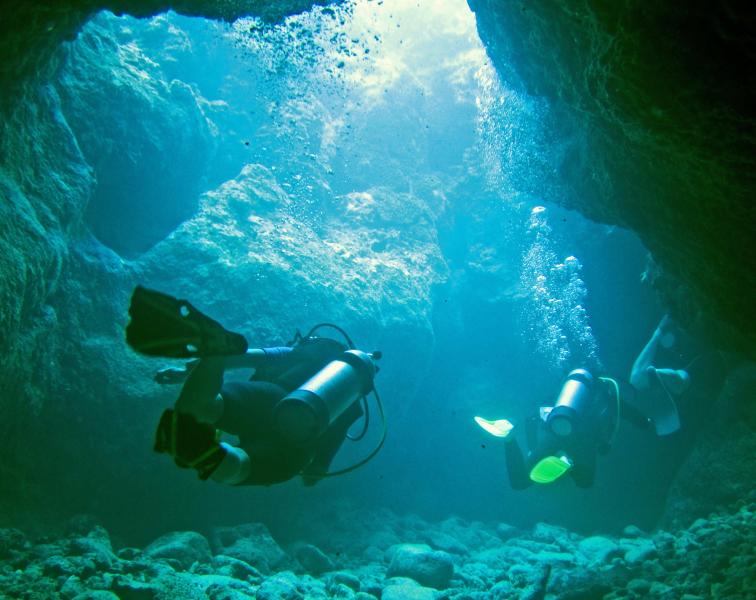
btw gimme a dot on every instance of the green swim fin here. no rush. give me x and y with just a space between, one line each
162 325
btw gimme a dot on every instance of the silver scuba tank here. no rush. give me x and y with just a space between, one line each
573 401
306 413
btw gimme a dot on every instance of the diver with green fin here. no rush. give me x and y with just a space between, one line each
568 436
290 418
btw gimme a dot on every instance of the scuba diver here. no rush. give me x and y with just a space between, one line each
566 437
678 397
585 418
649 380
290 418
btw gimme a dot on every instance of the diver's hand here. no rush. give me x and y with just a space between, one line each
174 375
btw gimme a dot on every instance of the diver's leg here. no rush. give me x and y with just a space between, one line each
675 381
640 374
200 395
516 469
234 468
584 467
630 413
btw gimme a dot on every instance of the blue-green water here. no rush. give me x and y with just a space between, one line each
365 165
337 102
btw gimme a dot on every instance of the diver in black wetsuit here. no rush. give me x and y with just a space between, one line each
567 437
671 401
291 417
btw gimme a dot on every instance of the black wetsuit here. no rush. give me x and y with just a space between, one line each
591 435
248 414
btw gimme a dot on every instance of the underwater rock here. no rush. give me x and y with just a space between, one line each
238 569
714 557
248 255
404 591
96 546
12 541
637 550
311 558
130 589
448 543
185 547
430 568
344 578
282 586
32 33
506 531
655 109
598 549
146 138
96 595
251 543
72 587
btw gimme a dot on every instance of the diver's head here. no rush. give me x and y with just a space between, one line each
572 403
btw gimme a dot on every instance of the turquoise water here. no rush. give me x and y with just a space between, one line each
367 165
448 227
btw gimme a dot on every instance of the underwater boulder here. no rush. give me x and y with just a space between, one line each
96 595
430 568
638 550
598 549
311 558
238 569
281 586
94 547
343 578
12 542
146 138
185 547
250 255
407 591
251 543
31 34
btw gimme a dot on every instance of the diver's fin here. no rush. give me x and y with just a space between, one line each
499 428
162 325
550 468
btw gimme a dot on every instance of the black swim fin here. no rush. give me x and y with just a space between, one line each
162 325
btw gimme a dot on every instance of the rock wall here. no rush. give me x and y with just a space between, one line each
653 112
82 223
145 136
31 33
642 156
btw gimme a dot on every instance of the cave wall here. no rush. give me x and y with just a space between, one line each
655 105
645 158
244 252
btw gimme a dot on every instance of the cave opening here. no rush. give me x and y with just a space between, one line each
334 100
382 134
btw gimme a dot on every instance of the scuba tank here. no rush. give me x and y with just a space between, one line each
304 414
572 403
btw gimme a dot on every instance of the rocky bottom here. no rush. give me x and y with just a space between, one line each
378 554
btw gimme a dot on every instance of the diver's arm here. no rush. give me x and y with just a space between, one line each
639 376
253 358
